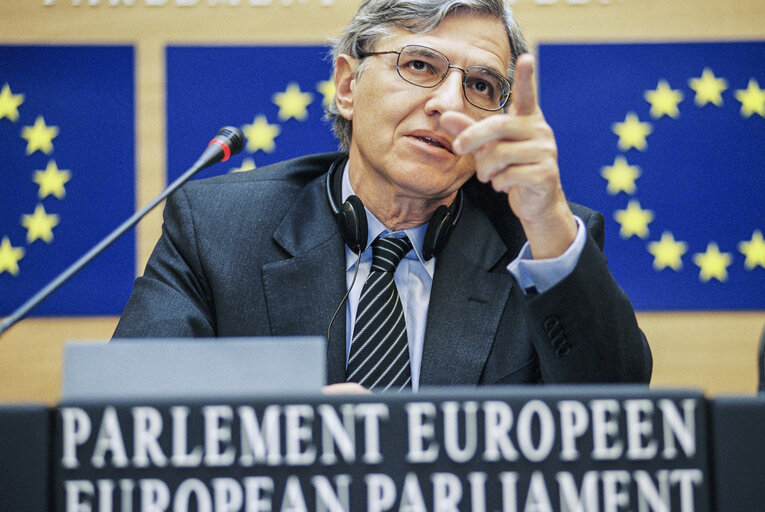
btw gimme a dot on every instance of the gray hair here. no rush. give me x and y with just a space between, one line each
377 18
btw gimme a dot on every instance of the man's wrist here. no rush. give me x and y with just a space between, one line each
543 274
550 237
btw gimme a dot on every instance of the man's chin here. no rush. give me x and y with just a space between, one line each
434 181
433 192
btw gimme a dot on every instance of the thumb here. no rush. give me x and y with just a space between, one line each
524 95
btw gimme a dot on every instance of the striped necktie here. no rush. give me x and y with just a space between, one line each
379 356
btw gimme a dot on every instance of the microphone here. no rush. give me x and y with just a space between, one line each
229 141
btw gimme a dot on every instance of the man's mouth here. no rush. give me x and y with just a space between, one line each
433 141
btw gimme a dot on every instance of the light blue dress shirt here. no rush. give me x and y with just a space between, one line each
414 278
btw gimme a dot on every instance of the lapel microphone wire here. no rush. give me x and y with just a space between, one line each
345 297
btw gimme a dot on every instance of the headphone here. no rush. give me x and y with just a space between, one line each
352 217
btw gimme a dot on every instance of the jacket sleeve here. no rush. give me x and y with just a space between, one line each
172 298
590 333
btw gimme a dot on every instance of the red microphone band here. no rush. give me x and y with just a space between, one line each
223 146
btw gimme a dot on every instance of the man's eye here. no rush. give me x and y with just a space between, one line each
481 87
419 65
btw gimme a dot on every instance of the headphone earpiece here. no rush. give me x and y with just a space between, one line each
439 229
352 221
352 217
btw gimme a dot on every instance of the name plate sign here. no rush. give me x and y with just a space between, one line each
604 449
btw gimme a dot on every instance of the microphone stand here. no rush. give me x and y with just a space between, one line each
220 148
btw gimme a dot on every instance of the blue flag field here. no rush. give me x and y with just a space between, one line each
668 142
66 174
275 94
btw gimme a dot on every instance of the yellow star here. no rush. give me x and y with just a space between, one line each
293 102
261 135
632 132
752 99
634 220
754 250
248 164
39 137
664 100
327 89
667 252
52 180
708 88
713 263
621 176
9 103
9 257
39 225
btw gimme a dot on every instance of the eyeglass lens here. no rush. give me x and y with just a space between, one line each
426 67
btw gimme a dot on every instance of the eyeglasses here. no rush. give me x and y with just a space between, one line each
425 67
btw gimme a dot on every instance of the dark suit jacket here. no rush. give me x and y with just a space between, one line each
259 254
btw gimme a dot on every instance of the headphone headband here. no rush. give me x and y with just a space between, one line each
352 218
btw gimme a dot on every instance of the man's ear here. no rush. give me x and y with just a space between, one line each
345 83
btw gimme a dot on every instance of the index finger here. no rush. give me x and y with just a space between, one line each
524 95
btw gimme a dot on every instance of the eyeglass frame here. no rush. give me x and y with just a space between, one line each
364 54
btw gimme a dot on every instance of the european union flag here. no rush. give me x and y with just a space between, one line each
668 141
66 174
275 94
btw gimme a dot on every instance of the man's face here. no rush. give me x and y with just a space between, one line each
396 124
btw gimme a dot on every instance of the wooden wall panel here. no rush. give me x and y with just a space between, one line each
711 351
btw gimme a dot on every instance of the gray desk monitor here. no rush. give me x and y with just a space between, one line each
193 368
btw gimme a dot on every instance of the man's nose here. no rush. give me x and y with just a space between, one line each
448 95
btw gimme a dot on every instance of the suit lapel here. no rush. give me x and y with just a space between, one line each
466 303
304 290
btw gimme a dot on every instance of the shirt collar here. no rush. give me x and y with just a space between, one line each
377 228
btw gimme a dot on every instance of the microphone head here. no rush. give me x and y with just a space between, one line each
232 137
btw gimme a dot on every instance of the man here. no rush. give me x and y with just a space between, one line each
499 286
